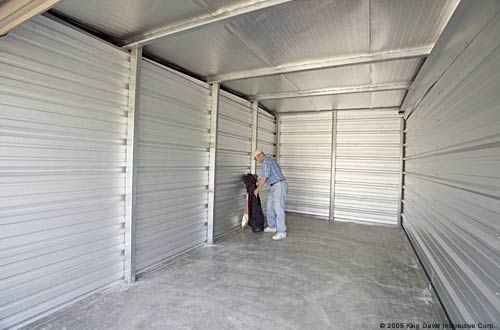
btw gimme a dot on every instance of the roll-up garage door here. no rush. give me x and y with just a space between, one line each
234 143
367 171
172 164
63 127
266 141
305 157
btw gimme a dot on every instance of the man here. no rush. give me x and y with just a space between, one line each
275 210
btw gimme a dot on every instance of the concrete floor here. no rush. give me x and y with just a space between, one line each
324 276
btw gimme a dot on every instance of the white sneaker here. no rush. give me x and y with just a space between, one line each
279 236
270 230
244 221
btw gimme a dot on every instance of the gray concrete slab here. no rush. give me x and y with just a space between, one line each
323 276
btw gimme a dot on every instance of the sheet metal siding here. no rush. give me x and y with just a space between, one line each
172 165
305 158
367 169
63 109
234 144
452 174
266 141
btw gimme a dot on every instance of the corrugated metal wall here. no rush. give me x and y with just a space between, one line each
63 113
172 164
452 169
305 158
367 171
266 141
234 144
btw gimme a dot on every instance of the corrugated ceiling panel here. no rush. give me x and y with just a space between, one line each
330 78
63 109
266 141
234 144
280 105
306 30
376 73
213 49
405 24
343 101
262 85
299 31
367 171
172 165
305 157
387 98
126 18
452 177
214 6
394 71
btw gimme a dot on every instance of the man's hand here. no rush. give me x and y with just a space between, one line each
256 192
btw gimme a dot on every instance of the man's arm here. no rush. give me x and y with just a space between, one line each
262 182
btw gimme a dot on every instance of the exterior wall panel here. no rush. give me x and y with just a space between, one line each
367 171
63 115
172 165
451 205
234 144
305 158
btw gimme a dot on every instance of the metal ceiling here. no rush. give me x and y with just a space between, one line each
278 34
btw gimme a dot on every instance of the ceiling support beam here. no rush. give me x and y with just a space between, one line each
323 64
15 12
204 20
335 91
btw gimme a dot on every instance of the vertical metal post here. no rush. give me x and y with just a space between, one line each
214 118
278 136
401 168
255 123
333 165
131 170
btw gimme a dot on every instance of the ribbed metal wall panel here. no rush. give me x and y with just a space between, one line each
266 141
452 171
305 158
63 128
172 165
234 144
367 171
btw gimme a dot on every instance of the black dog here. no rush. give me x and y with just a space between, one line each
255 214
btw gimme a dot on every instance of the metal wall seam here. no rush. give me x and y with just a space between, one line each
63 108
367 173
401 168
131 171
255 128
234 144
333 166
452 168
173 165
266 142
214 118
278 137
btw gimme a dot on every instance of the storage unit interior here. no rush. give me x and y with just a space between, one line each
126 127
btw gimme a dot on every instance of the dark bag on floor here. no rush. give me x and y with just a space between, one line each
255 214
